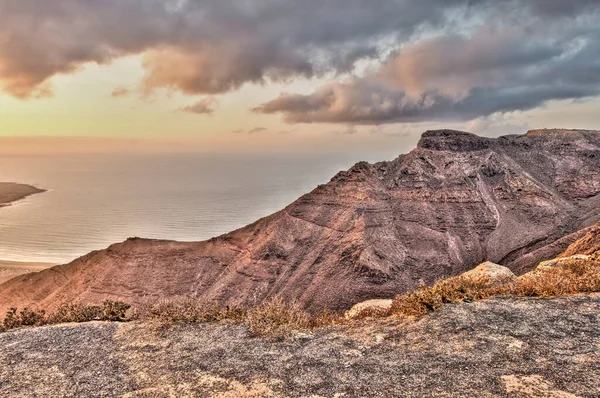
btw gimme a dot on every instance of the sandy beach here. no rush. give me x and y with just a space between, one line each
9 193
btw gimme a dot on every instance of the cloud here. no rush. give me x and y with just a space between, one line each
431 59
461 76
496 125
257 130
350 130
286 132
203 46
120 92
204 106
254 130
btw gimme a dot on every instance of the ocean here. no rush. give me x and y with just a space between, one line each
96 200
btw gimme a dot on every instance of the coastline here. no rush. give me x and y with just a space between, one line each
9 193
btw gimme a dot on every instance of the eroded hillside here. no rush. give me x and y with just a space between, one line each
373 231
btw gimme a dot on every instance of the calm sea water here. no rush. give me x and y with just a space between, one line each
94 201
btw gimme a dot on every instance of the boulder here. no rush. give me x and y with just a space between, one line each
497 274
369 308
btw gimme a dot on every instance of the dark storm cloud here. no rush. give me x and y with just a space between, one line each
439 58
499 66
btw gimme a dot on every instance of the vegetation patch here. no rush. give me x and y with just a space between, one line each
274 318
113 311
429 299
572 277
186 310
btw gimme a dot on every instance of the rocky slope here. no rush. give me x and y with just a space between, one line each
372 232
504 347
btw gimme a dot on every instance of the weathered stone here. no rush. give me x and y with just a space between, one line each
369 308
494 273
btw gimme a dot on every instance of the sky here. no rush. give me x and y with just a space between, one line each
290 75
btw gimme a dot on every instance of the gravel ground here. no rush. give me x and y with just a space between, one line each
503 347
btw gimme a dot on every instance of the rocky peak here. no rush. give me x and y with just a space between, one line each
453 140
556 132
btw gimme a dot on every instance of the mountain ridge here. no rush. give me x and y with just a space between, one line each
373 231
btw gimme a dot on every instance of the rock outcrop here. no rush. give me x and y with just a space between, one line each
494 273
369 308
373 231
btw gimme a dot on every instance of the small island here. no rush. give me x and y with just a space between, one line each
11 192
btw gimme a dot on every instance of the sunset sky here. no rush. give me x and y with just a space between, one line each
291 75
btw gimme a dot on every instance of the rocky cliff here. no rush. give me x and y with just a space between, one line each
372 232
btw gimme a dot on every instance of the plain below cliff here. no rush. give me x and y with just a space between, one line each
373 231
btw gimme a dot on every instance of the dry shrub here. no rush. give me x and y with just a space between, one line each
188 311
28 317
429 299
274 318
25 317
572 277
77 313
327 319
113 311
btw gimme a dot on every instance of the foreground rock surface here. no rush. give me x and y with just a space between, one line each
372 232
498 348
